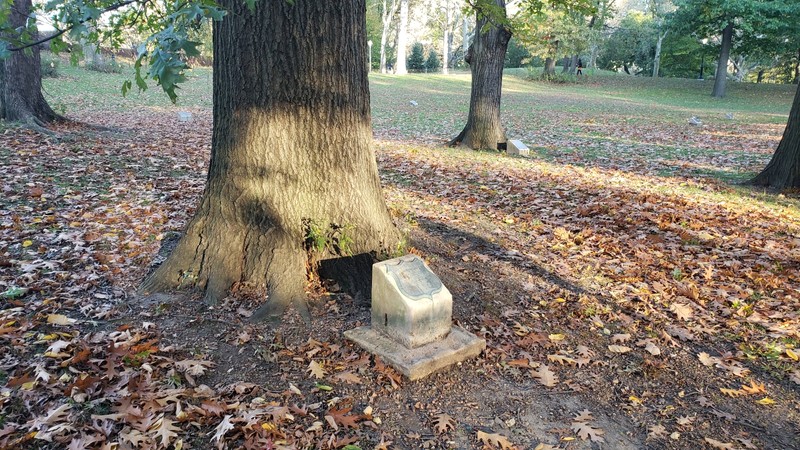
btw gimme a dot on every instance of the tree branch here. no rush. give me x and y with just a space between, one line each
60 32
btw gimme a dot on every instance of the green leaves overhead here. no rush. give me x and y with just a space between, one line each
161 28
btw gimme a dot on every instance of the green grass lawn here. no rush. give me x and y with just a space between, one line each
604 119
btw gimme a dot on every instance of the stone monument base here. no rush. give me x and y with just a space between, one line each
422 361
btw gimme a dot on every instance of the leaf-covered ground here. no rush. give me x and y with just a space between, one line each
630 296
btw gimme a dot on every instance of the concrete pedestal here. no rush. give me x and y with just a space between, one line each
416 363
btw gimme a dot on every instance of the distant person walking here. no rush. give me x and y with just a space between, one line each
580 67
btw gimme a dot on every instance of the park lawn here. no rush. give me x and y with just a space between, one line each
617 270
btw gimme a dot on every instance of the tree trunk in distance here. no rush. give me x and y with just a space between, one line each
797 69
760 76
386 20
291 147
549 67
657 57
22 79
721 77
483 130
402 39
446 39
573 64
465 35
783 170
565 65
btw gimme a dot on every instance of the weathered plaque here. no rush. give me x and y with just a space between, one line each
414 279
409 302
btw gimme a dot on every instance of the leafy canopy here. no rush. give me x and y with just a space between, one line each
166 25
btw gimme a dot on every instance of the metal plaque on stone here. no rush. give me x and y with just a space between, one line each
414 279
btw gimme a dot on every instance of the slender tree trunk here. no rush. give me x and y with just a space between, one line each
549 67
565 64
657 57
550 61
722 65
486 56
291 153
387 14
797 69
760 76
21 87
465 35
402 39
625 68
573 64
446 39
783 171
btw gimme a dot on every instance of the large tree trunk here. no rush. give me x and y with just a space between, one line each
402 39
21 86
485 57
291 153
783 170
565 64
573 64
722 65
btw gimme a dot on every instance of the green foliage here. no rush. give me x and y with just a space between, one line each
433 63
111 66
167 26
331 238
631 44
517 54
50 65
416 60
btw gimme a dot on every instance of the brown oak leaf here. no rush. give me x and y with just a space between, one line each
495 440
443 423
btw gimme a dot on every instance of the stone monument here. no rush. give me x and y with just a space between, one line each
412 320
516 147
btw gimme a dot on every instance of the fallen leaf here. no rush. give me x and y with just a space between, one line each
443 423
317 370
60 319
720 445
619 349
545 376
495 440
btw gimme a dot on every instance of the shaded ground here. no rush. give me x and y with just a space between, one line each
613 274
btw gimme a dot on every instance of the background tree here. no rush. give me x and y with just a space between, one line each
432 63
630 44
21 98
732 21
485 57
416 60
402 39
388 11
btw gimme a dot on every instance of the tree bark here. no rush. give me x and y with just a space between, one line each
565 64
486 56
402 39
657 57
797 69
721 77
549 67
760 76
446 39
21 86
783 170
573 64
291 154
386 18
